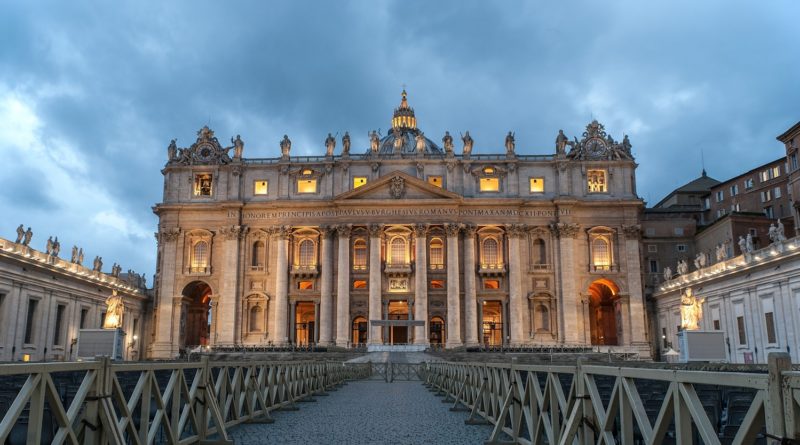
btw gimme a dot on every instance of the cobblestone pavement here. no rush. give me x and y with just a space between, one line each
367 412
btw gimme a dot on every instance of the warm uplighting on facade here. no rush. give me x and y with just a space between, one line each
306 186
537 185
260 187
358 181
490 184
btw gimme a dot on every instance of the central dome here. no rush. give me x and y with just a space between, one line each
402 138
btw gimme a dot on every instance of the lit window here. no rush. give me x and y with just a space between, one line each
360 254
306 249
490 184
601 253
307 172
488 171
358 181
490 252
537 185
305 285
437 284
359 284
260 187
437 253
200 256
596 180
398 251
202 185
435 181
491 284
306 186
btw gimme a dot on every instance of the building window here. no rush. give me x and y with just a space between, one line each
490 252
748 183
491 284
664 338
306 250
735 207
306 186
539 252
437 284
596 181
734 190
601 253
769 212
202 184
435 181
716 325
707 202
360 254
680 247
256 319
305 285
650 231
490 184
766 195
678 231
398 250
721 213
740 329
793 161
652 248
258 255
653 266
542 318
359 284
769 324
537 185
84 315
437 253
199 257
58 335
30 329
720 195
776 192
260 187
358 181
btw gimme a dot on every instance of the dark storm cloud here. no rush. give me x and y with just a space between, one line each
97 90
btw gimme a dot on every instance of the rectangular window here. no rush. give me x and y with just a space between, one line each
84 314
435 181
775 171
490 184
678 231
748 183
437 284
305 285
708 203
721 213
596 181
29 321
720 195
769 324
102 319
740 330
260 187
358 181
735 207
306 186
652 248
734 190
135 327
716 325
776 192
650 231
653 266
57 334
537 185
766 195
491 284
680 247
793 161
769 212
202 184
359 284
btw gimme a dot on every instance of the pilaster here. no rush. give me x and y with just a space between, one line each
517 305
374 282
471 320
421 283
636 299
453 289
571 311
281 285
226 316
343 287
325 308
162 347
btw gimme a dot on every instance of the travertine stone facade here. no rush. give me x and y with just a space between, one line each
405 242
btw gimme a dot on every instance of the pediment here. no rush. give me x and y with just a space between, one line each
398 185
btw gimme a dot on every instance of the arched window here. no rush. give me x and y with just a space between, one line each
539 252
256 319
258 254
601 253
307 253
490 252
398 250
359 254
200 256
542 318
437 253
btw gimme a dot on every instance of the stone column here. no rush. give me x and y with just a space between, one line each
374 333
293 322
480 323
471 331
571 314
229 292
515 297
315 339
453 288
504 309
281 286
623 306
165 346
421 283
386 329
635 300
343 288
325 313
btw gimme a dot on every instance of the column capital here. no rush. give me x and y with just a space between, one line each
633 231
375 230
325 231
420 230
516 230
281 232
470 230
344 230
565 230
168 235
452 229
233 232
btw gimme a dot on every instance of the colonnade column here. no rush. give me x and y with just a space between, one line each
343 287
325 313
281 285
229 295
374 283
515 297
571 306
635 300
453 288
421 284
470 298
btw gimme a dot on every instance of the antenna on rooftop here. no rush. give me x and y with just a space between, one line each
702 161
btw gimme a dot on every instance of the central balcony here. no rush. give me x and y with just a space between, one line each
489 270
397 269
304 271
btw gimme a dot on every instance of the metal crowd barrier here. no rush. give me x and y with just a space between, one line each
100 402
592 403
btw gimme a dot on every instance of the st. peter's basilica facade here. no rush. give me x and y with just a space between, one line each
404 242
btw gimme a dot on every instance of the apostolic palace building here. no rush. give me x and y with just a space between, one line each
403 242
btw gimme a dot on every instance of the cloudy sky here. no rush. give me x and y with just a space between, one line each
92 92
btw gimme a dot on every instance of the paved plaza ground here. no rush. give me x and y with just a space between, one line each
368 412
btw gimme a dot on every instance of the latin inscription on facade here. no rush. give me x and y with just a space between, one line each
380 212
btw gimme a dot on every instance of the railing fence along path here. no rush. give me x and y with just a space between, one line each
605 404
100 402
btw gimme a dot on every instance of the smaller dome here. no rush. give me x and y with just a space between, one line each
408 143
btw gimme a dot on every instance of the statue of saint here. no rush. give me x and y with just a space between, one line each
683 267
80 256
74 258
374 141
773 233
286 146
28 235
20 233
346 144
468 142
749 243
172 151
742 245
626 145
330 145
56 247
399 141
97 264
114 311
780 231
691 311
447 140
420 140
49 245
238 147
561 143
667 273
510 144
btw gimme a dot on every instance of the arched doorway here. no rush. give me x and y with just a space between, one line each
492 323
359 331
437 334
304 323
196 314
602 312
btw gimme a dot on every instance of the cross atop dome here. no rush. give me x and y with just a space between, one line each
404 115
